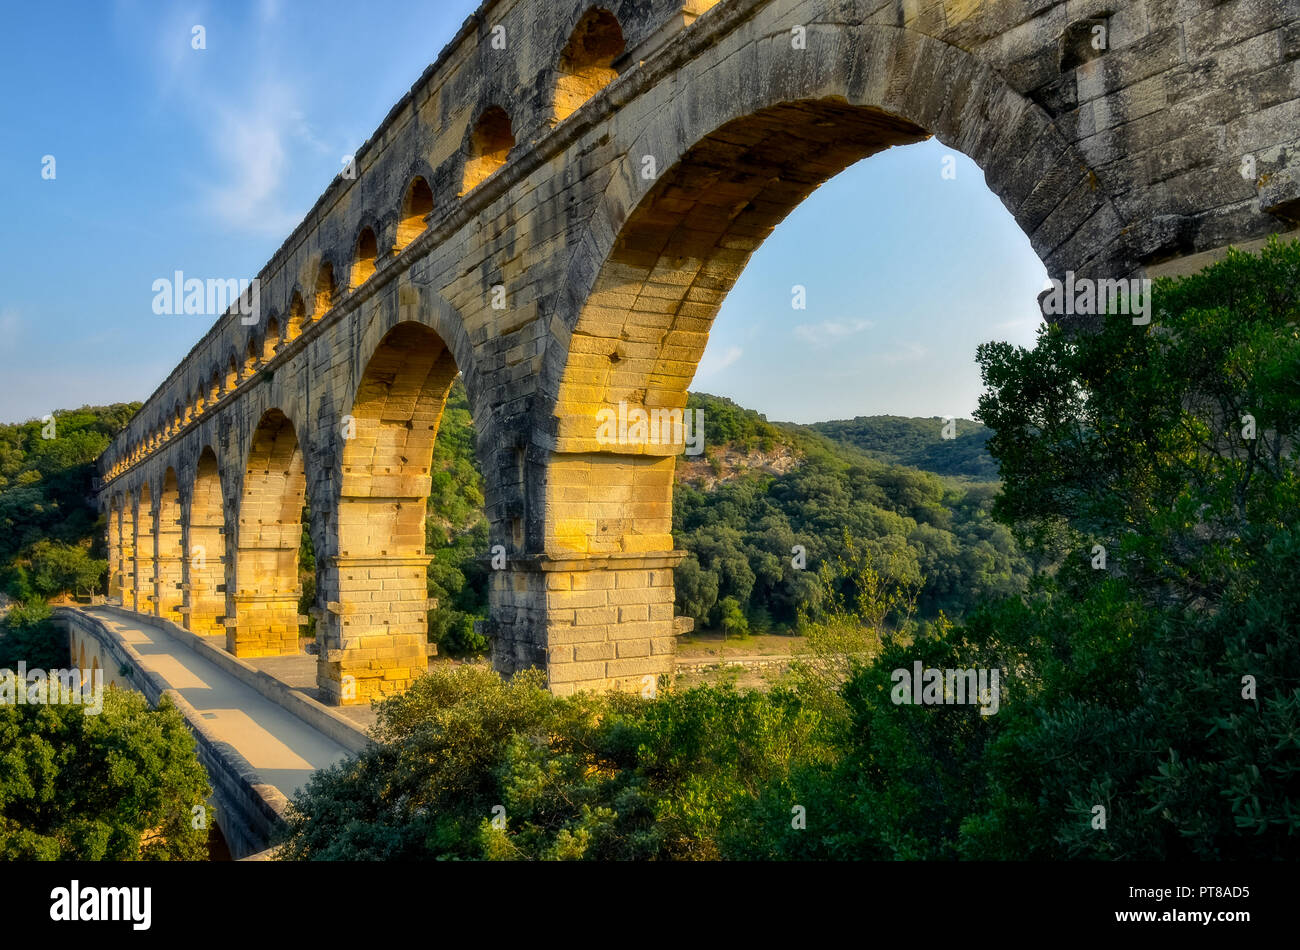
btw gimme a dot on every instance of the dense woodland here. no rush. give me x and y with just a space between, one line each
934 532
919 443
51 539
740 521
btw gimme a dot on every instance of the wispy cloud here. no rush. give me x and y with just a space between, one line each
828 331
254 127
11 325
711 365
268 11
174 37
250 143
905 353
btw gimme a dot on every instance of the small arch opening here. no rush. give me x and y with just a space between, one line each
297 316
271 340
325 289
489 146
417 205
367 251
586 61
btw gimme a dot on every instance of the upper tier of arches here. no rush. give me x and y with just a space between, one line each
588 43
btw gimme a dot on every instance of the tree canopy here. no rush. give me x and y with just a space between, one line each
51 537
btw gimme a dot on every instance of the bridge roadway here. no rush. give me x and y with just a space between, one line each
259 736
284 749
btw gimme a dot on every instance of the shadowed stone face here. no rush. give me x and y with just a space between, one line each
556 211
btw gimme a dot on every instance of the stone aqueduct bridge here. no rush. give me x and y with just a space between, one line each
560 219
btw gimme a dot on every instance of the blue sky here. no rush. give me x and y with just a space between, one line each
169 158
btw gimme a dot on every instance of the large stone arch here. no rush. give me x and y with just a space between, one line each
268 535
205 548
114 591
127 550
144 550
850 93
169 559
736 149
375 636
374 434
897 75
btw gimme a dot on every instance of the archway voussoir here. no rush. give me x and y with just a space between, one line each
1067 219
1054 187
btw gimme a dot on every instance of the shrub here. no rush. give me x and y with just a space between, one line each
28 634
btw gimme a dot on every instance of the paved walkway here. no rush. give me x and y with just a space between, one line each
299 673
283 749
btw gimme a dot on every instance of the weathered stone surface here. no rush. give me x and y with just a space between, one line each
556 210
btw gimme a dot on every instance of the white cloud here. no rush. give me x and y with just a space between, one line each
252 120
828 331
712 365
249 142
268 11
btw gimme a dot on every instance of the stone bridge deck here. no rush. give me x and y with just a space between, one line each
259 738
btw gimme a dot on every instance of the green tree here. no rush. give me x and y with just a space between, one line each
1165 686
57 568
732 619
120 785
27 634
469 765
1170 445
696 589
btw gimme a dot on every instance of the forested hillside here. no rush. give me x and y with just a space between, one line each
48 540
759 491
918 442
742 532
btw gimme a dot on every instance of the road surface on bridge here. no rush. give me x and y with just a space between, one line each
283 749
